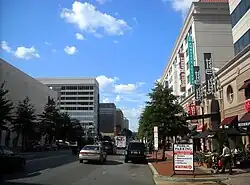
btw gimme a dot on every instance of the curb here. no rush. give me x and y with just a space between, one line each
159 178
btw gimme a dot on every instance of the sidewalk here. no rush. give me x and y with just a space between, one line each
163 175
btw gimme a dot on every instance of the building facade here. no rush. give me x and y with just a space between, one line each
119 121
240 15
21 85
207 29
79 97
125 124
107 115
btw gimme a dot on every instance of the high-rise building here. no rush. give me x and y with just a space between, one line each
207 29
107 115
125 124
119 121
240 15
79 97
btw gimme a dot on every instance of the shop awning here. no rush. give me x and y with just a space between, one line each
245 85
245 117
205 134
229 120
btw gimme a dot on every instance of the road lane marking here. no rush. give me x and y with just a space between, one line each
45 158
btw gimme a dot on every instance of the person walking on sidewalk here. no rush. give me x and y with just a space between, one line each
226 159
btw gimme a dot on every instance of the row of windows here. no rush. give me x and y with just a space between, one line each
77 93
240 11
77 98
77 87
76 108
242 42
76 103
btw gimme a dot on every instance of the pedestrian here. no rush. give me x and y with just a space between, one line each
226 159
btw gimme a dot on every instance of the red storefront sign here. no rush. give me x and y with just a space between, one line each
182 72
192 110
247 105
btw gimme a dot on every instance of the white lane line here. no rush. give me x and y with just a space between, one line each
45 158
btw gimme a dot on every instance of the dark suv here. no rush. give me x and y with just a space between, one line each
136 151
108 147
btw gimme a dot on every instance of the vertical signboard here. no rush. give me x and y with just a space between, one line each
155 138
191 59
209 75
182 72
183 157
197 85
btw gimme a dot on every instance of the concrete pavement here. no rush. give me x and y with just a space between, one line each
64 169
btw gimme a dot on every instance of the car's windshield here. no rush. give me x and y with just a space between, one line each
138 146
90 147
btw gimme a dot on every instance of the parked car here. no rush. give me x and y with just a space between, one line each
135 151
92 153
109 147
10 161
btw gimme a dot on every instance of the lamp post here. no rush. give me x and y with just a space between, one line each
203 122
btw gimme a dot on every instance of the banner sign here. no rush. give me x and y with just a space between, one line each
182 72
209 75
183 157
155 138
197 85
191 59
192 110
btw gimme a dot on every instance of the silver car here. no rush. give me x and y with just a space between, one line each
92 153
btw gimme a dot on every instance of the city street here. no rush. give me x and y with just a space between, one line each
63 168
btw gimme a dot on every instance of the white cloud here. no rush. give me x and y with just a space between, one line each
70 50
48 43
118 98
89 19
53 50
21 51
116 42
125 88
5 47
80 36
106 100
135 20
133 115
180 5
105 81
103 1
116 13
26 53
98 35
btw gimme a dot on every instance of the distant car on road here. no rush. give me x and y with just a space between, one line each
109 148
10 161
135 151
92 153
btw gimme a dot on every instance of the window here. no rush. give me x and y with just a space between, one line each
188 79
187 53
247 92
239 11
242 42
189 91
187 66
230 94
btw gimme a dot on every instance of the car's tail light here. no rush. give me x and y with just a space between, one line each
82 153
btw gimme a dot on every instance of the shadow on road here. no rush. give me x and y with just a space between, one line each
108 162
32 168
18 183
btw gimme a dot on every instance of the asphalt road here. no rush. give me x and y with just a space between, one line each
63 168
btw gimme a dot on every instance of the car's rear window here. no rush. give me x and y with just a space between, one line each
133 146
107 144
90 147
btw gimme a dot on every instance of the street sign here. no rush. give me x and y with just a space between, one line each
183 157
156 138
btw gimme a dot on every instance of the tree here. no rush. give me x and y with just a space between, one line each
50 119
162 110
24 122
6 107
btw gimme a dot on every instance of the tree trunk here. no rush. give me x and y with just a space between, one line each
164 148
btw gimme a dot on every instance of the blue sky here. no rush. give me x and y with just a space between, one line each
124 43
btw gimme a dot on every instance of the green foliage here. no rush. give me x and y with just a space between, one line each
162 110
6 107
24 122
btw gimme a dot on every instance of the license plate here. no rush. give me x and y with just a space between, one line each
135 152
